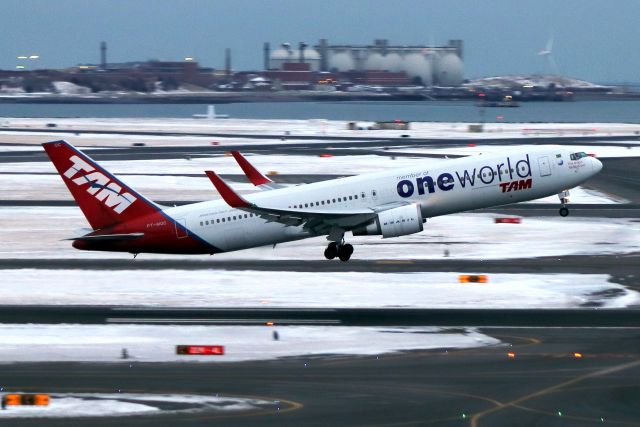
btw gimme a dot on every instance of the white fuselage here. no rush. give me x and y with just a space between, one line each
440 187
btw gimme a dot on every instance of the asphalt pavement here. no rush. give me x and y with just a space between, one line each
544 383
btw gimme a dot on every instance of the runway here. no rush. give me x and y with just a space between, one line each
584 264
315 146
565 140
544 383
326 316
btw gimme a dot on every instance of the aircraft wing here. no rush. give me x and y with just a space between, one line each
318 221
253 174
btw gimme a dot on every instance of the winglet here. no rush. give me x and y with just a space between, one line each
250 171
232 198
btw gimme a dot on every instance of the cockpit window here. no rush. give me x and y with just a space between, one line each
576 156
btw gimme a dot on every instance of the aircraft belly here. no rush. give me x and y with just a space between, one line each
253 235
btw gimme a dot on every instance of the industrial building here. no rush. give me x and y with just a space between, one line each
427 65
322 67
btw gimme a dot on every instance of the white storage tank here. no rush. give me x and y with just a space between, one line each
374 62
392 62
418 65
279 57
449 70
342 61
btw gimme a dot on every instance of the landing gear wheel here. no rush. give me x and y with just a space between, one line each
332 251
344 252
564 211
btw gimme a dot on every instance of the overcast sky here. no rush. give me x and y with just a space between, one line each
594 39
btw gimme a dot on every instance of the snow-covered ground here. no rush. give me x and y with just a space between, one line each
38 232
116 140
69 405
601 151
583 196
221 288
320 127
8 148
349 165
151 343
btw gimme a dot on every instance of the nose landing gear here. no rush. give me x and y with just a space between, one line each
564 200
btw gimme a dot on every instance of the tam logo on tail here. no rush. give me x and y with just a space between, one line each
100 186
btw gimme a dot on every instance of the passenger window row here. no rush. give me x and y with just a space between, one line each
227 219
328 201
504 172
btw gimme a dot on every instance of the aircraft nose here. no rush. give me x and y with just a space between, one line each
596 165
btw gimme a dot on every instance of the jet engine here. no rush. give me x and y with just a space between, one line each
394 222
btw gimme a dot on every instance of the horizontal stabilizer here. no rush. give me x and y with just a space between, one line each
108 237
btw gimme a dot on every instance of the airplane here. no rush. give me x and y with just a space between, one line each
211 114
390 203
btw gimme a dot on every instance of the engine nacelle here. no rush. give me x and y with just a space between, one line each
394 222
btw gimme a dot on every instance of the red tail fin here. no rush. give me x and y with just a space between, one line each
103 198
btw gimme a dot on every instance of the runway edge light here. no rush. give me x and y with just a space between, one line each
473 278
507 220
200 350
17 399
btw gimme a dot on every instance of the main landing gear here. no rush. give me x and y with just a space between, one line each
564 200
342 251
337 247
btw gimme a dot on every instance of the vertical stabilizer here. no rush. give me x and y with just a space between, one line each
103 198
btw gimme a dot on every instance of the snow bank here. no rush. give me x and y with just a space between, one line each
148 343
222 288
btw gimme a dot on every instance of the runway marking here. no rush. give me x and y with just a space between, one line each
415 389
170 321
531 340
576 417
580 418
552 389
454 351
394 262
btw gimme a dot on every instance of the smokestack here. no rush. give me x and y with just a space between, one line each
324 60
302 46
458 45
267 55
227 62
103 56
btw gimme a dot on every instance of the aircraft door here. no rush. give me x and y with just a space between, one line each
544 166
181 228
